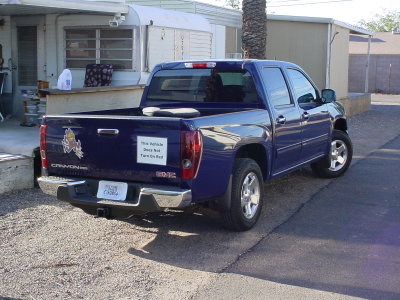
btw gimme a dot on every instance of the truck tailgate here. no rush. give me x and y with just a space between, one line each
140 149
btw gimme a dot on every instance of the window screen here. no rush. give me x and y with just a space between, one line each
203 85
27 55
99 46
276 86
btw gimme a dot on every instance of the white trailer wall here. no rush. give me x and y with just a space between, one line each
218 41
169 44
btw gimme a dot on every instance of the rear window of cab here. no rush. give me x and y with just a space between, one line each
202 85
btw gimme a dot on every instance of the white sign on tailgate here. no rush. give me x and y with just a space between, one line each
152 150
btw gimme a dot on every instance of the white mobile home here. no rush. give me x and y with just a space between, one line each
41 38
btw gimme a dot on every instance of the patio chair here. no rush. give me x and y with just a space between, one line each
2 79
98 75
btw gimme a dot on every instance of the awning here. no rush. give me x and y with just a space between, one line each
43 7
146 15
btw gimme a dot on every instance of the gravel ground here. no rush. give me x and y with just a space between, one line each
50 250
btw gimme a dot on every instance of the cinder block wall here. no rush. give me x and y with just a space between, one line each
384 73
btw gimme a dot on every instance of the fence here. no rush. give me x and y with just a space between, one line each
384 74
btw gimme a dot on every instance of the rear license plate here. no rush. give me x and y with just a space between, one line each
111 190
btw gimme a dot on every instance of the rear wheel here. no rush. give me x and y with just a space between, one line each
339 158
246 196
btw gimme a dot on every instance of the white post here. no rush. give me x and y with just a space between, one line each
328 58
367 66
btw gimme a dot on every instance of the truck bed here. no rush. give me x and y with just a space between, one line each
209 110
123 144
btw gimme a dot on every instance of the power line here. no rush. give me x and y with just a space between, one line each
308 3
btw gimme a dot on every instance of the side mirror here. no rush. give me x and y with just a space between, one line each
328 96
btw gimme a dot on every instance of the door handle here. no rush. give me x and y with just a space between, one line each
281 120
306 115
106 131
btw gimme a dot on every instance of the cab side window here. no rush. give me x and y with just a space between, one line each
276 86
305 93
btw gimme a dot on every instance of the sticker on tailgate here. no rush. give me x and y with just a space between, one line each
70 143
152 150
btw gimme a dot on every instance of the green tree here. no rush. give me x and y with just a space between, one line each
382 22
236 4
254 37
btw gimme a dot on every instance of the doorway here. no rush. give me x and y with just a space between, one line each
28 57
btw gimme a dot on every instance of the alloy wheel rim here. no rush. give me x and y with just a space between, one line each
338 155
250 195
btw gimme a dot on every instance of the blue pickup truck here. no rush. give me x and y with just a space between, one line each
206 132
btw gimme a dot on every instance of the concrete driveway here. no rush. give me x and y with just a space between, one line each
344 241
316 239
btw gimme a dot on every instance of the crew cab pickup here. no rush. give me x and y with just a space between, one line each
206 132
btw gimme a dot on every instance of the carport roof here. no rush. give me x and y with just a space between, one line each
40 7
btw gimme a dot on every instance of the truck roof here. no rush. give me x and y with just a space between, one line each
225 63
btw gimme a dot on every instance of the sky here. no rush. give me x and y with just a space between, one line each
350 11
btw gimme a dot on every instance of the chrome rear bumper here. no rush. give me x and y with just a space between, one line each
141 197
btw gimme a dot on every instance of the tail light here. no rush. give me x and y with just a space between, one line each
202 65
191 147
43 129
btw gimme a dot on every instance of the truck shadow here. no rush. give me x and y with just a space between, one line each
345 240
198 240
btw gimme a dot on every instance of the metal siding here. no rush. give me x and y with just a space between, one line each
182 6
215 14
177 45
301 43
339 80
218 48
200 45
111 1
219 15
182 45
161 45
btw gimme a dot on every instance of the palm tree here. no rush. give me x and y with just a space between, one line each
254 37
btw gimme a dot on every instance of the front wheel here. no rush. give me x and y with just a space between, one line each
246 197
339 158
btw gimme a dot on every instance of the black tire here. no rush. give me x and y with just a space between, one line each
235 217
327 167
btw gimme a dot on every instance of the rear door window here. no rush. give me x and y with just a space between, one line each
202 85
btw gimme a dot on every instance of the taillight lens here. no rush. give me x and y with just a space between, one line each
43 156
202 65
191 148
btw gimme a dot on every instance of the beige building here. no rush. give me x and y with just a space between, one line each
319 45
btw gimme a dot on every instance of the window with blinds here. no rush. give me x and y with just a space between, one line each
99 46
